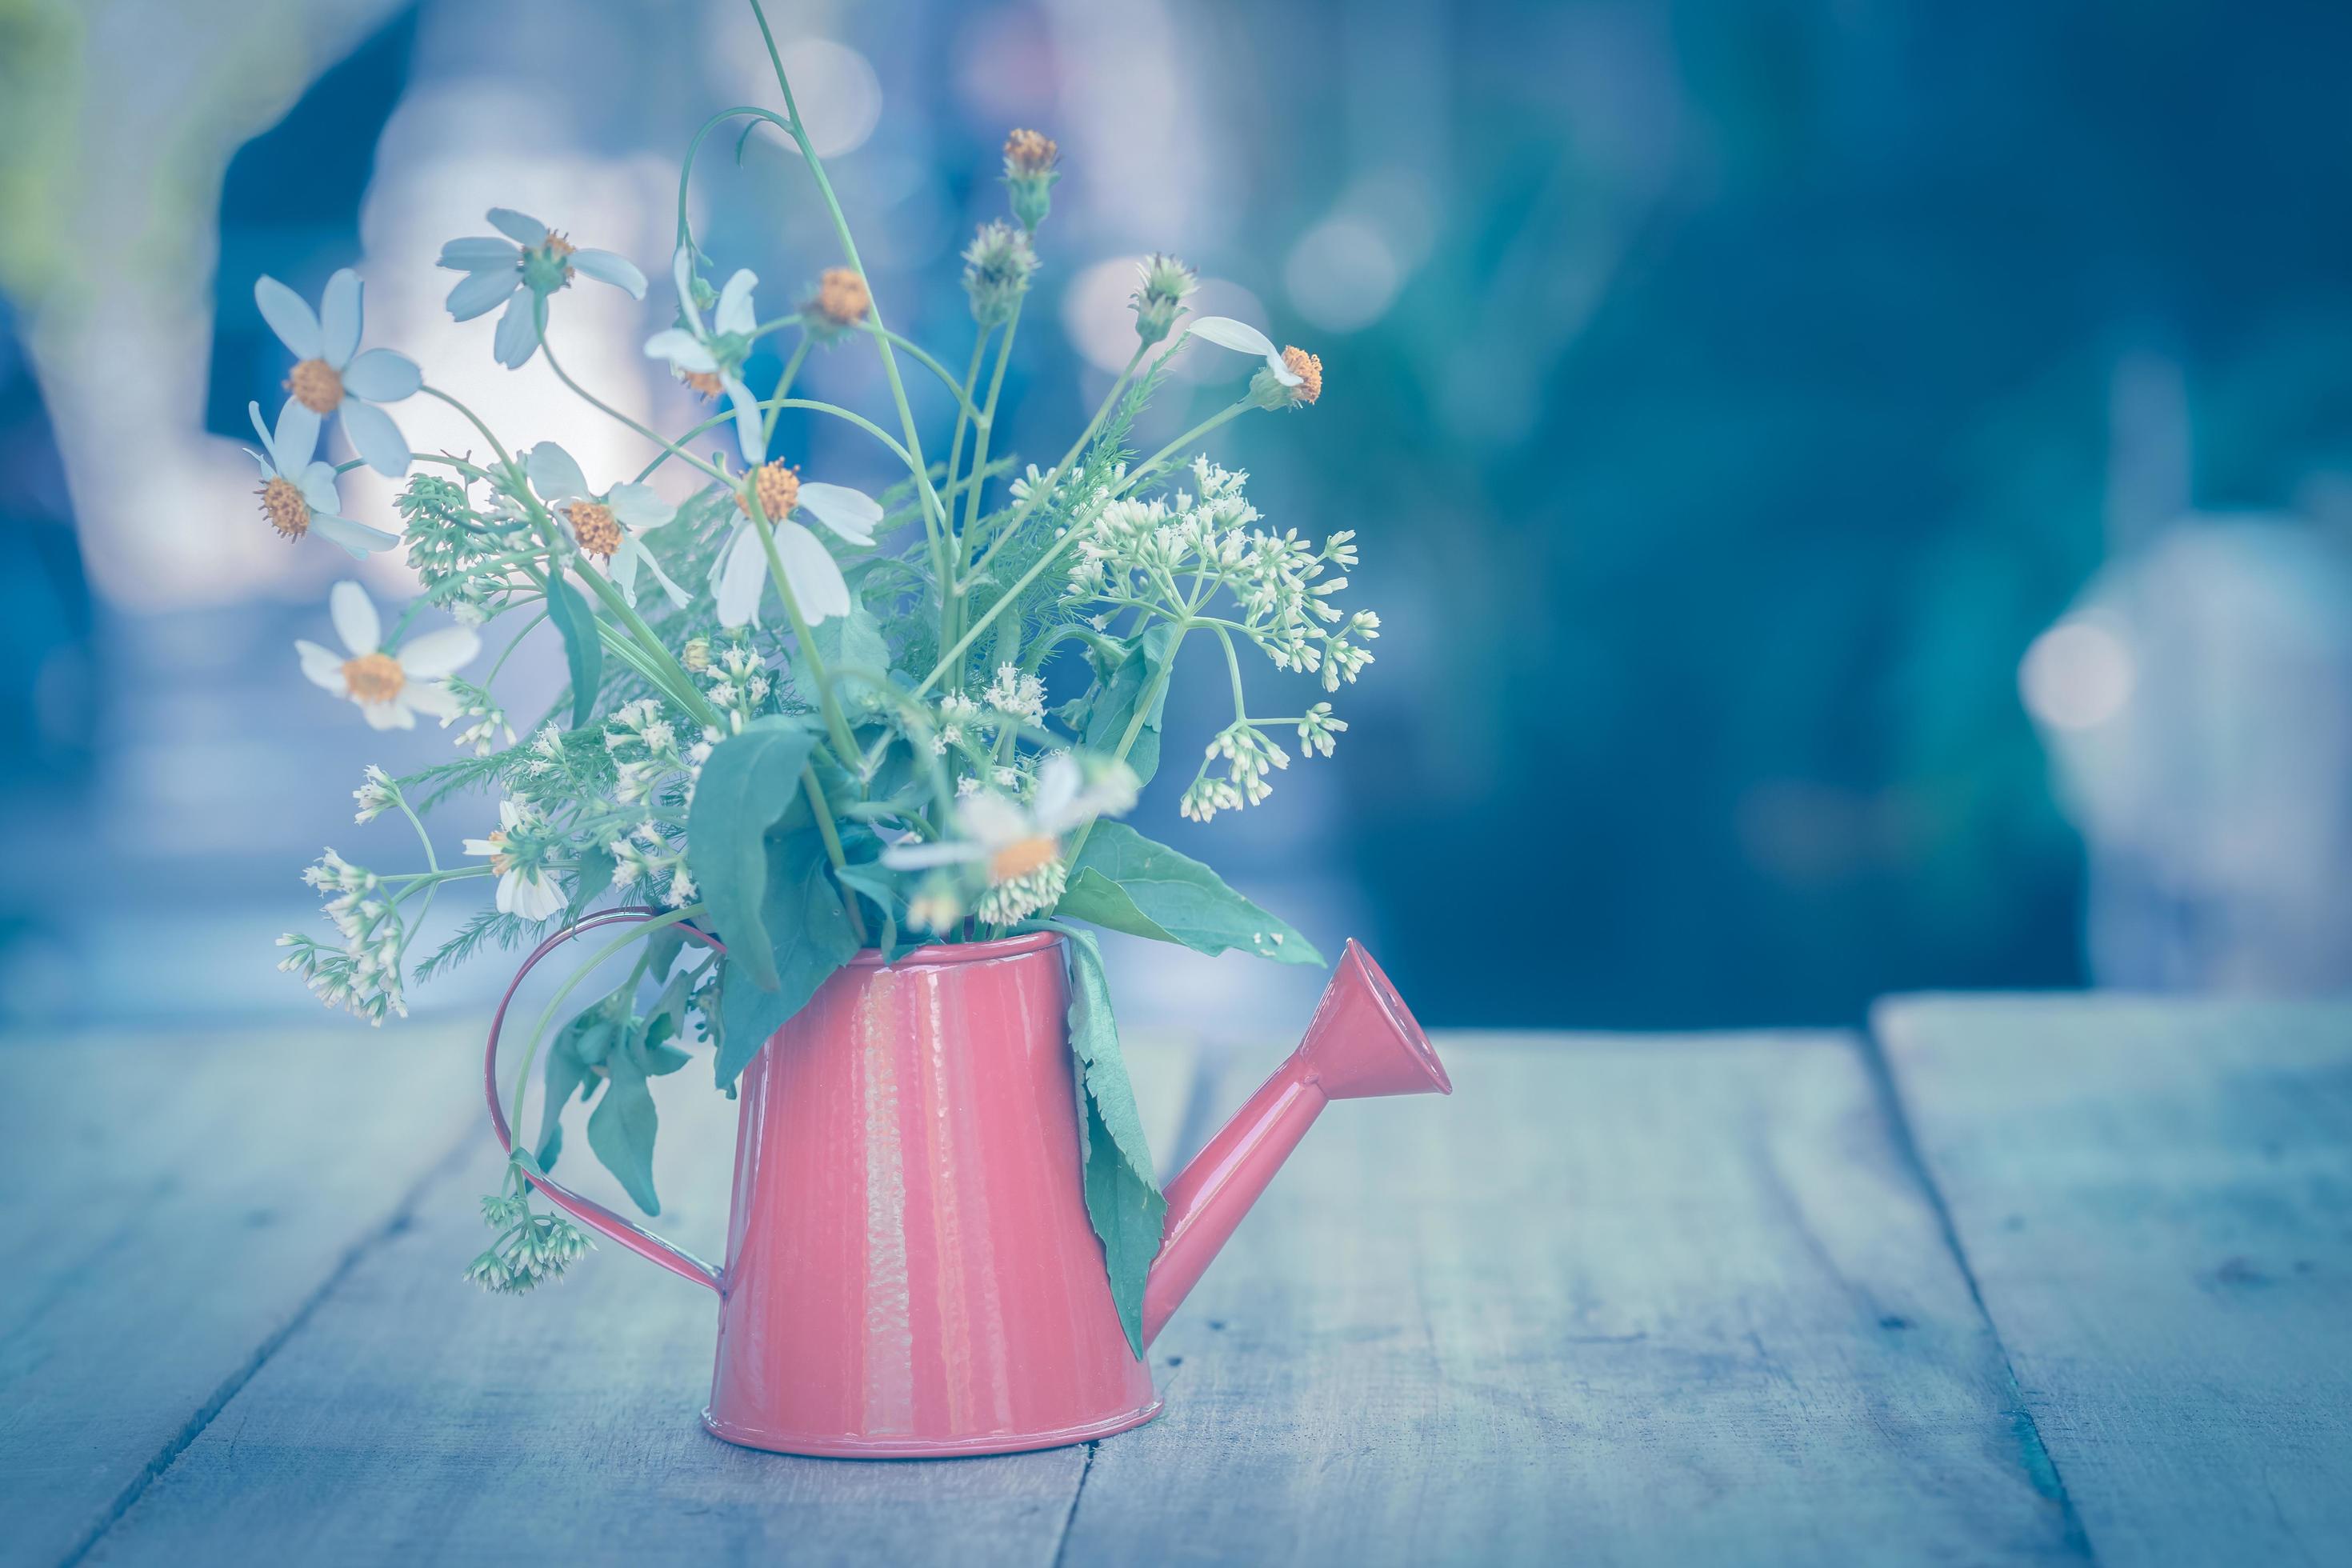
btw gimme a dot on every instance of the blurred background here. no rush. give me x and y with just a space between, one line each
1858 495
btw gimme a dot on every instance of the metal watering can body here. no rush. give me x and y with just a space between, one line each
910 1268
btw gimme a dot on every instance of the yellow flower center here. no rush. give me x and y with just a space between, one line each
594 526
1029 152
842 297
778 486
502 863
1019 859
316 386
282 504
373 677
1308 369
704 382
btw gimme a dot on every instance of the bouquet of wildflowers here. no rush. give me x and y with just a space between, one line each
801 718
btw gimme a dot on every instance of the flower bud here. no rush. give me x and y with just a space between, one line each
1166 283
1029 175
997 267
842 301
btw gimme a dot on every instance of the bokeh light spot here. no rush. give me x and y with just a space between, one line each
2076 676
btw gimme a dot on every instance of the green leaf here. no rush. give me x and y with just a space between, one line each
853 641
1124 882
747 785
1123 1200
812 940
621 1130
581 650
567 1070
595 875
1123 690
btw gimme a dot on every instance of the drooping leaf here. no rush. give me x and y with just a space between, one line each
569 1067
621 1130
747 785
1124 689
853 642
595 876
811 939
582 651
1123 1201
1123 881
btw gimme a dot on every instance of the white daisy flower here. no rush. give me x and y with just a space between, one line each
533 260
605 522
712 360
390 688
523 890
297 496
1021 846
332 376
1242 338
739 575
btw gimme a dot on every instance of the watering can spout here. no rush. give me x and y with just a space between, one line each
1362 1042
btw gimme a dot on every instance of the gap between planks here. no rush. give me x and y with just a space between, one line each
194 1427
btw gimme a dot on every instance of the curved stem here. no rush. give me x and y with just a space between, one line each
475 419
963 399
685 170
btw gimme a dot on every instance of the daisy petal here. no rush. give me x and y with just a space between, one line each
751 436
641 506
682 349
992 819
915 856
623 568
323 666
432 696
356 537
479 254
355 619
381 375
375 438
289 317
387 716
521 227
269 442
816 576
681 272
316 483
741 577
609 267
297 437
677 595
1057 787
1239 336
339 313
480 293
554 473
849 513
518 336
436 654
735 313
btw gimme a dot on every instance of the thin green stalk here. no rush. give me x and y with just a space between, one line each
1038 492
822 809
1134 729
836 727
783 388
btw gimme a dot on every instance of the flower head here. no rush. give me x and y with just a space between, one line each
1242 338
842 299
1030 171
299 495
604 523
1017 848
524 889
390 687
1166 283
997 267
740 576
530 263
331 377
1298 384
710 358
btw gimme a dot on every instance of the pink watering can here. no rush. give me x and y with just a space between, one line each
910 1270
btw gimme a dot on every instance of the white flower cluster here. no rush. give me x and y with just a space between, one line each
363 974
647 858
376 795
647 757
486 728
738 682
979 728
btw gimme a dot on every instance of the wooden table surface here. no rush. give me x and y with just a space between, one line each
2009 1279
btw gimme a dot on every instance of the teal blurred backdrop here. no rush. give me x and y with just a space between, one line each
1857 494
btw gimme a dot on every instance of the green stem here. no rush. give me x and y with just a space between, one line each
962 397
1134 729
822 809
1038 492
836 727
783 388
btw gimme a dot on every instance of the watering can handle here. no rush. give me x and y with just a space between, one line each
594 1216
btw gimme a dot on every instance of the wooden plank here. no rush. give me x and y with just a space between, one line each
1656 1301
2155 1198
411 1418
173 1204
